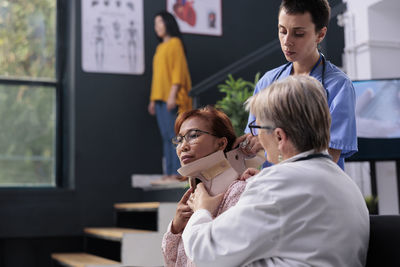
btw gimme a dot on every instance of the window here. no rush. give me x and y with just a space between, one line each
28 93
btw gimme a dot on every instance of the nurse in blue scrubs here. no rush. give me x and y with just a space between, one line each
302 26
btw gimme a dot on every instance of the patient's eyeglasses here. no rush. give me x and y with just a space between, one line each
190 137
254 128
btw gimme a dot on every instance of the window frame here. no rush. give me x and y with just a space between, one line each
52 84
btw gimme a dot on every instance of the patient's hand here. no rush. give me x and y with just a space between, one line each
200 199
182 215
249 173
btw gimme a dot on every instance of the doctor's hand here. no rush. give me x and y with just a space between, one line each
248 173
200 199
249 144
182 215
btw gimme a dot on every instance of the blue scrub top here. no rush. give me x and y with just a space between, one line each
341 103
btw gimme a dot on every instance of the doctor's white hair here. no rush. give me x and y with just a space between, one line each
298 105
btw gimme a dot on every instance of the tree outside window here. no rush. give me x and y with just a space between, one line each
27 92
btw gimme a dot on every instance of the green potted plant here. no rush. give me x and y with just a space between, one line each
372 204
236 93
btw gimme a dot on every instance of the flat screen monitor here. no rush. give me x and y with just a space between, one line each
378 119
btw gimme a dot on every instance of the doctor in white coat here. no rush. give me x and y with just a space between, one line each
303 211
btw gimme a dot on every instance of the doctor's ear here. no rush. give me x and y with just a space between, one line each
280 134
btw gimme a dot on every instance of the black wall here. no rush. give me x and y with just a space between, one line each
107 134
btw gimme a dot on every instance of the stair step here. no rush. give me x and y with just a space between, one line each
138 206
112 233
143 181
82 260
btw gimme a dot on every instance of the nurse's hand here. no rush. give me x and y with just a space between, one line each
249 144
248 173
182 215
200 199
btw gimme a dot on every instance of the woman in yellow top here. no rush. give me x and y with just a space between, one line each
170 86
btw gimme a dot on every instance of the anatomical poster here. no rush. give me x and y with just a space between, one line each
112 36
197 16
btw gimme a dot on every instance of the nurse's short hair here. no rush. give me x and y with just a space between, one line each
298 105
320 10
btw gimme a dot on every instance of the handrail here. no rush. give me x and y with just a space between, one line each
234 67
245 61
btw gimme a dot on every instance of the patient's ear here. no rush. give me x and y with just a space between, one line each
222 143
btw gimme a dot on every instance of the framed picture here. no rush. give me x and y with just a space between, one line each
112 36
197 16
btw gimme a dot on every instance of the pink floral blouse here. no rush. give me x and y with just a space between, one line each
172 245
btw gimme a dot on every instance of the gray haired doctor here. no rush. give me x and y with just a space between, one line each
302 211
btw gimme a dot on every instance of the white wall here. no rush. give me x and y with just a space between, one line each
372 38
372 50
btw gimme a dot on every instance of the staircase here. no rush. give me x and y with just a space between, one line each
135 240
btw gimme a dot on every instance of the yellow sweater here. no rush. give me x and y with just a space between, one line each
170 68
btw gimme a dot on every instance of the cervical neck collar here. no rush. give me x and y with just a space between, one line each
214 171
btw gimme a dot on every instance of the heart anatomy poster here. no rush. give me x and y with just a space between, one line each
112 36
197 16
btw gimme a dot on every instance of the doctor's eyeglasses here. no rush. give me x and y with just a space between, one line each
190 137
254 128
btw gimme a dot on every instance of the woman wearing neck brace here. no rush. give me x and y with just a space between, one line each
203 144
303 211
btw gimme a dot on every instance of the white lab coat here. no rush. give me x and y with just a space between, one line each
296 213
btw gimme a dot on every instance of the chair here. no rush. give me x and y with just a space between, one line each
384 242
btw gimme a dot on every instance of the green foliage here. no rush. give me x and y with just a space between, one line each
372 204
27 38
27 113
237 92
27 120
